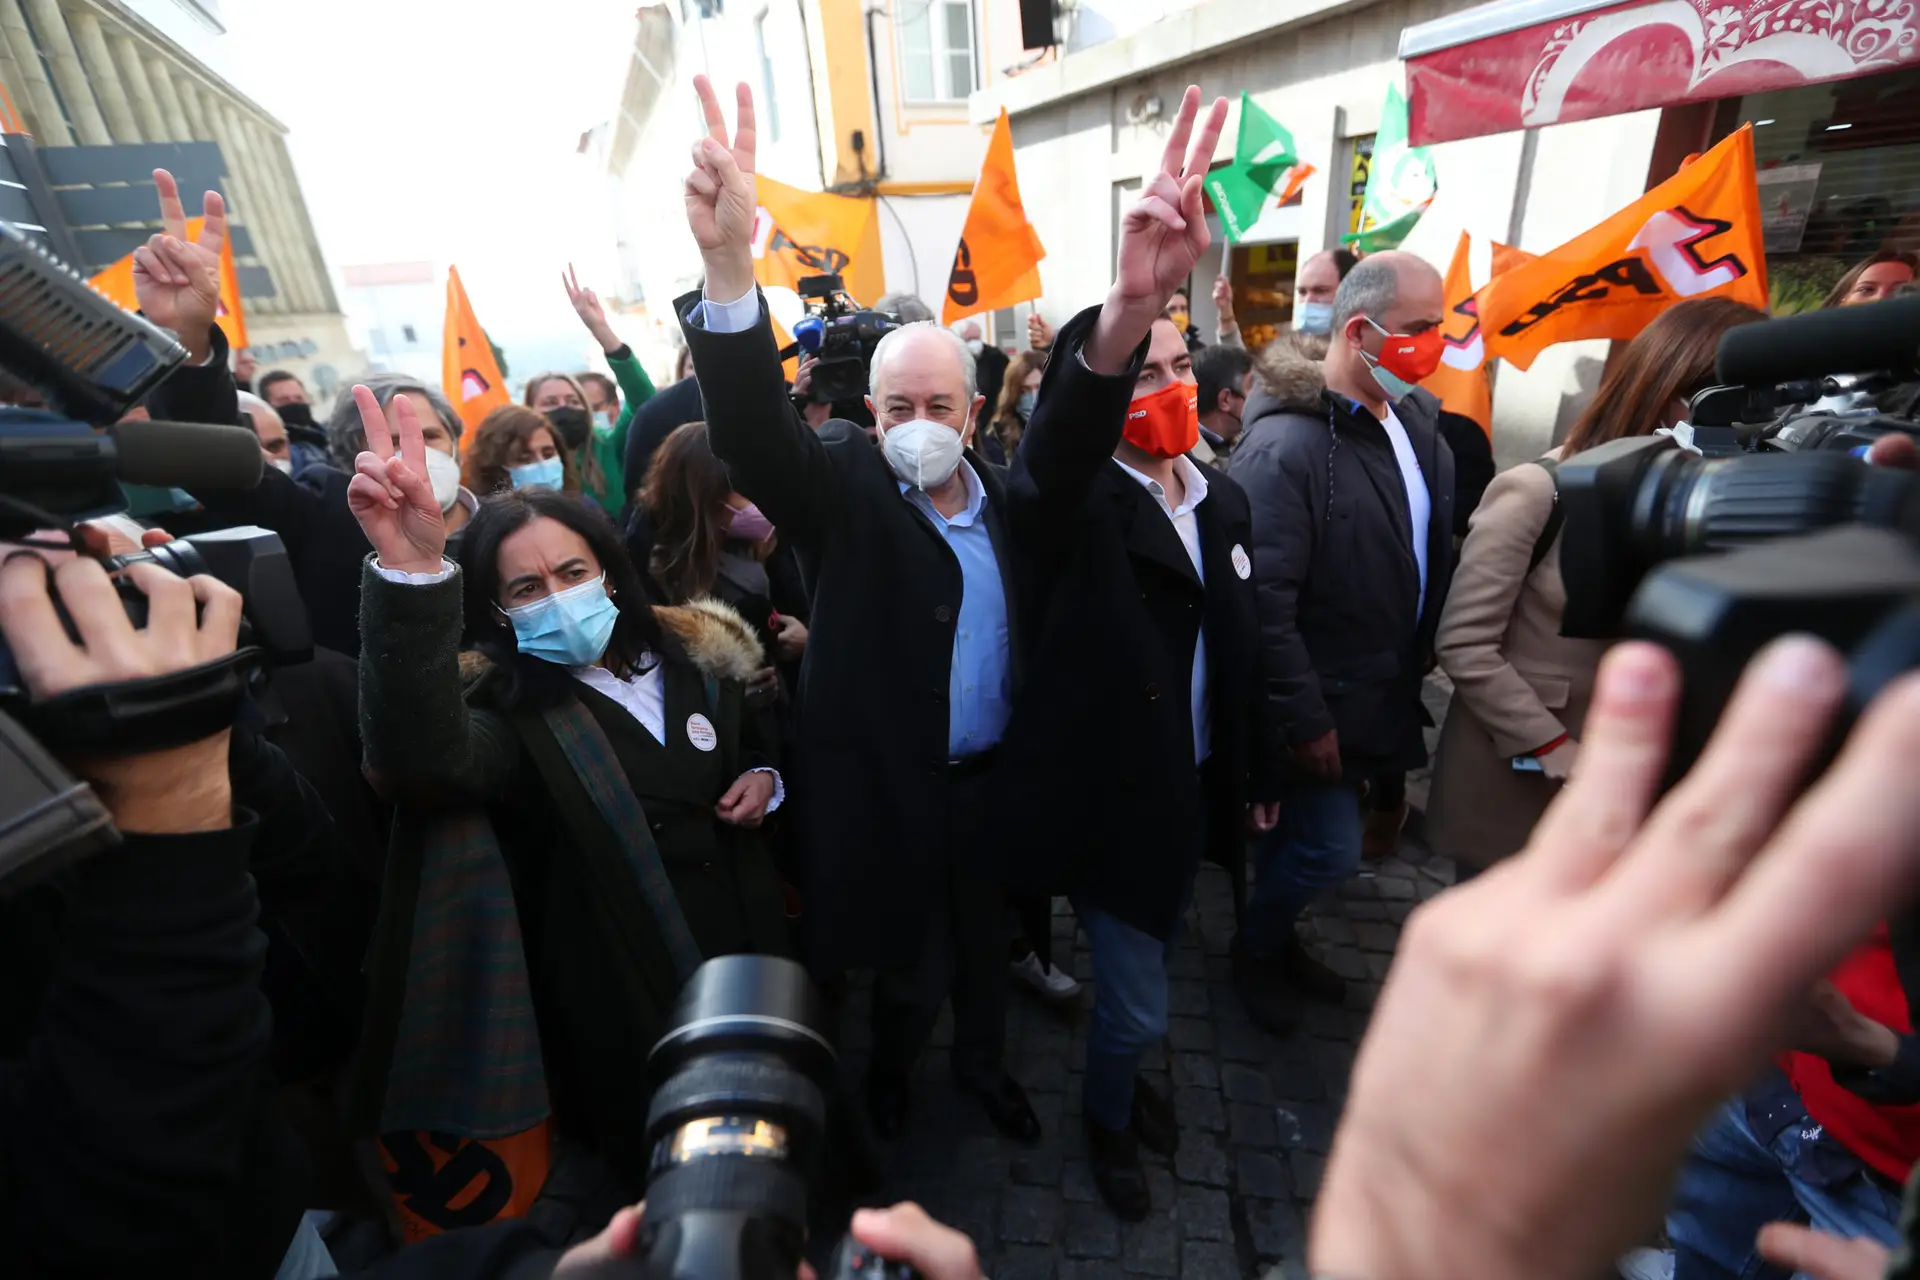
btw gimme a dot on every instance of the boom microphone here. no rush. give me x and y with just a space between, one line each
1865 339
186 455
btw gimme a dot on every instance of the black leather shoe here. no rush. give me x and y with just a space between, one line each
1309 976
887 1097
1265 992
1117 1171
1154 1121
1007 1106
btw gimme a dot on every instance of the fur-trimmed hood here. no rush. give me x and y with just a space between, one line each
716 639
1291 374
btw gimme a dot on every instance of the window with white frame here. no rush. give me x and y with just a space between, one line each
935 43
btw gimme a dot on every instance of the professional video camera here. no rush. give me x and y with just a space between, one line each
1795 532
92 362
737 1125
840 335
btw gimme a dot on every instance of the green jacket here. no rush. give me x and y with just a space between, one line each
438 732
610 447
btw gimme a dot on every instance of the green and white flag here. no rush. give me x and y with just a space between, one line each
1264 161
1401 182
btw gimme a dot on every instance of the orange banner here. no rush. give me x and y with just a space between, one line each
997 262
469 374
442 1183
116 282
1461 379
808 233
1696 234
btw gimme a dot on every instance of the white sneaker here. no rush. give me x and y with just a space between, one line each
1047 981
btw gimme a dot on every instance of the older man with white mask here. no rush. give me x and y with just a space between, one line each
914 660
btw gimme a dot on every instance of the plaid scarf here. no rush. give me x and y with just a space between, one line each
465 1054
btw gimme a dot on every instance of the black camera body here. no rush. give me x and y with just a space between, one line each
92 362
1714 557
841 336
737 1127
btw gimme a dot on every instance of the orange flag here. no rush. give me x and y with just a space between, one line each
1461 379
469 374
808 233
1696 234
116 282
998 260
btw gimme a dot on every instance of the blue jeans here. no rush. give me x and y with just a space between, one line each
1315 847
1129 1012
1731 1185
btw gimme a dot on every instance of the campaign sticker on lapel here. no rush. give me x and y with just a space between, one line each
1241 564
700 732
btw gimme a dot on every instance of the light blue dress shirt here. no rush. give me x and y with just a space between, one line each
980 675
979 680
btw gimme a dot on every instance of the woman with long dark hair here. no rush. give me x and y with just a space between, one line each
590 758
1018 390
1521 689
697 537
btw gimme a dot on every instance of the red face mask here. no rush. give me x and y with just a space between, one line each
1165 423
1410 359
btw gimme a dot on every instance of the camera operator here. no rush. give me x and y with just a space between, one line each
1520 689
1551 1035
126 1113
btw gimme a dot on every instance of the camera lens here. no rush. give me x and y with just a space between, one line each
737 1122
1687 505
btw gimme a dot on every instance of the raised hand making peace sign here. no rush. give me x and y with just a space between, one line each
177 280
1161 238
390 494
720 196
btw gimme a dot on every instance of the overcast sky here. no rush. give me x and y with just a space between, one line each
436 130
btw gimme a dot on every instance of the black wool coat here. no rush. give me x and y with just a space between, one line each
1099 795
870 769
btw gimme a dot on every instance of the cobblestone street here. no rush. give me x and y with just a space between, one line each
1256 1112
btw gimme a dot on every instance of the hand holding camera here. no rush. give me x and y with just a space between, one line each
190 621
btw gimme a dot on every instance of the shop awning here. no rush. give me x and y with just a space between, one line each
1517 64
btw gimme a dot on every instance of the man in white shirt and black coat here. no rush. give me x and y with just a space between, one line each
1138 744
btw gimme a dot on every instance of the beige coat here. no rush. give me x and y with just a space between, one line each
1517 683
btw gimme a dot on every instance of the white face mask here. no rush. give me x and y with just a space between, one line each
283 465
443 472
924 454
976 345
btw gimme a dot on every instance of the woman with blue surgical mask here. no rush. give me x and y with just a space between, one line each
538 721
515 448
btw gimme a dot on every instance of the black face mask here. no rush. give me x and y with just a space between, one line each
296 415
572 424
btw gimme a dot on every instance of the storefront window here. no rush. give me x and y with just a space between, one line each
1262 278
1839 178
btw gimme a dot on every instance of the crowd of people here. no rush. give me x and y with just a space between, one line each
620 679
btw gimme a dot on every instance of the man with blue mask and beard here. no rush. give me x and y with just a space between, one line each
913 664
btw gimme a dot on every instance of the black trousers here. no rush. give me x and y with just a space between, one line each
964 957
1035 914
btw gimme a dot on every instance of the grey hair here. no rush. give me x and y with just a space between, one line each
1371 289
909 308
253 404
888 339
346 437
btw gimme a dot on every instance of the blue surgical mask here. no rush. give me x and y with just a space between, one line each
570 628
602 420
1314 317
1027 401
548 473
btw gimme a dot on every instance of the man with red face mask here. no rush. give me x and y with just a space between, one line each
1352 491
1139 743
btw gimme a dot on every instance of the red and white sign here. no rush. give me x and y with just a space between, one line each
1500 67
